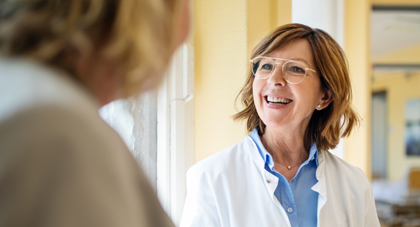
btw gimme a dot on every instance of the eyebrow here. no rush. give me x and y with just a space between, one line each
300 59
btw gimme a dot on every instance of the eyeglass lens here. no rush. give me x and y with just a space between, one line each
293 71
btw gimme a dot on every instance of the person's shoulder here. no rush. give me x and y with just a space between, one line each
343 169
225 160
55 127
27 85
41 106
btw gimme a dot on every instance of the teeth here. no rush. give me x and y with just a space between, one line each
282 100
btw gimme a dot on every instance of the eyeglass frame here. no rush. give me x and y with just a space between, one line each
282 67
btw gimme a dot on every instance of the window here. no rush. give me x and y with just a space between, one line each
158 129
135 121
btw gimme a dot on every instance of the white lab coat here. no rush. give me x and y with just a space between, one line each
232 188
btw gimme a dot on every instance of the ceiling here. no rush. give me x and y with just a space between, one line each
394 30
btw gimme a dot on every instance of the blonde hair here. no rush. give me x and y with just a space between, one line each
136 35
339 117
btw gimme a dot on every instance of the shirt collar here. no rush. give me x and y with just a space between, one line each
313 151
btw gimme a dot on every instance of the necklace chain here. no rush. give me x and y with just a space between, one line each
289 167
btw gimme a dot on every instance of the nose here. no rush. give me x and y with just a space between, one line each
277 77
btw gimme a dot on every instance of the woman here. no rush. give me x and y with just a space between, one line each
296 96
60 61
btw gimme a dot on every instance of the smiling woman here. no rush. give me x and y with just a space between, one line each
328 65
302 97
296 93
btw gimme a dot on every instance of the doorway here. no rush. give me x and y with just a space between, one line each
379 135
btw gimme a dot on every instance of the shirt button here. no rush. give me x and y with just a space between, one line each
290 210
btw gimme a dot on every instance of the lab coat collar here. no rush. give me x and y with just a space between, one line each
313 151
252 150
271 181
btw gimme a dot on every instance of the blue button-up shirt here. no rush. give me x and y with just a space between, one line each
297 198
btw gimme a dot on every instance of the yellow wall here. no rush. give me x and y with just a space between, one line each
399 89
220 40
357 48
224 33
261 19
284 12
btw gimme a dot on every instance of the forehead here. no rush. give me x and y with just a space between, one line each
299 50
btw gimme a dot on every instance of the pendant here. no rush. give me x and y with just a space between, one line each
289 167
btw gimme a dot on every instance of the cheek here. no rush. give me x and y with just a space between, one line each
310 96
256 92
257 88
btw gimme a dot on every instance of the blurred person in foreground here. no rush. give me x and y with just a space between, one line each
60 61
297 100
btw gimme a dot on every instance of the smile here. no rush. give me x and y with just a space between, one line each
277 101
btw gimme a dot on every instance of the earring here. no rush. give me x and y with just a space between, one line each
319 106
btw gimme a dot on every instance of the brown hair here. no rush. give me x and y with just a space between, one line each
137 35
326 125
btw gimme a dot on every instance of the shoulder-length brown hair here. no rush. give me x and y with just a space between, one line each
326 125
136 35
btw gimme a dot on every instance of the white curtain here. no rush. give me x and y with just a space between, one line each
135 121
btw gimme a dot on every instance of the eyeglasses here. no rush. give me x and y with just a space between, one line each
293 71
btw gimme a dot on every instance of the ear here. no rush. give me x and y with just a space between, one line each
326 100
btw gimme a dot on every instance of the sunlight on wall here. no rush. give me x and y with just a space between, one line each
357 47
220 63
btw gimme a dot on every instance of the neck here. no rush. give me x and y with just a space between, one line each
286 146
100 77
105 89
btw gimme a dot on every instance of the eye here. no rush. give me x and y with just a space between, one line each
296 69
267 67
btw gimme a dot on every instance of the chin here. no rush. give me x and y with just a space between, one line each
273 124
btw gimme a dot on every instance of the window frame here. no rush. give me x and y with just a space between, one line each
175 131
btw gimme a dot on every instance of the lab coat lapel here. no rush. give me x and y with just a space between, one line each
270 180
271 183
320 186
